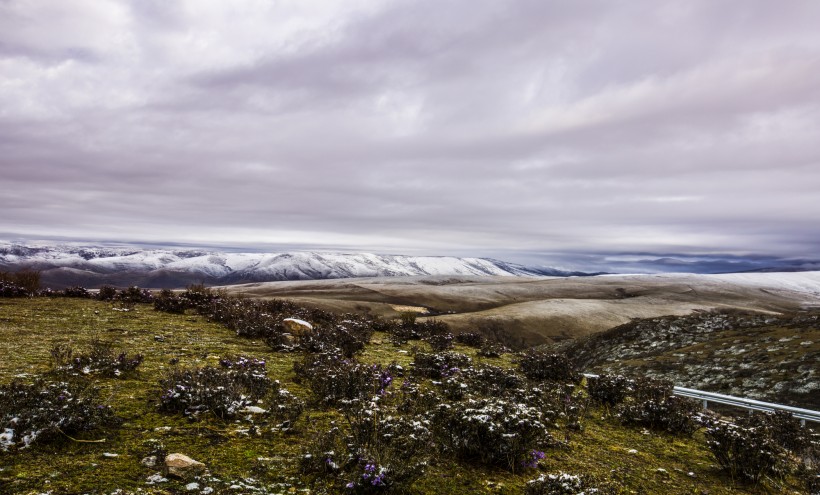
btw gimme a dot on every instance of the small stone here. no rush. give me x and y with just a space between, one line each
631 451
192 486
182 466
254 410
155 478
691 474
110 455
149 461
207 490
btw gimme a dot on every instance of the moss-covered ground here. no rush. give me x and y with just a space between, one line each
639 461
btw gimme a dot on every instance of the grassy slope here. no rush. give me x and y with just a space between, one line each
30 327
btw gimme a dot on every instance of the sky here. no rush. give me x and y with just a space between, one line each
521 129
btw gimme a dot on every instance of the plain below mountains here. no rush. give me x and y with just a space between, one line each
64 266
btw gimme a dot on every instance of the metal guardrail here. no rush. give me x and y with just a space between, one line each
750 404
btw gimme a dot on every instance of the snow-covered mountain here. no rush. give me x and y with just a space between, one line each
65 265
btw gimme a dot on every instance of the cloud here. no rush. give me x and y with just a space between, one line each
456 127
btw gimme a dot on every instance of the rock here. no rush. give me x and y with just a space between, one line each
149 461
254 410
192 486
110 454
182 466
296 326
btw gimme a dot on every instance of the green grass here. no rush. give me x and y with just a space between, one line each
29 328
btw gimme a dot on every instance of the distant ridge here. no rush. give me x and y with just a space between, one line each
67 265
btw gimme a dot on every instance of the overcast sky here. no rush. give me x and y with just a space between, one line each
475 128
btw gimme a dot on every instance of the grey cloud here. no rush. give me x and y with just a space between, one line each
440 127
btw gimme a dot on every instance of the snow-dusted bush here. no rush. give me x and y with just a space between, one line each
37 412
561 484
492 349
346 338
9 289
337 381
440 341
492 431
439 364
101 359
610 390
485 380
226 391
672 414
76 291
539 365
747 450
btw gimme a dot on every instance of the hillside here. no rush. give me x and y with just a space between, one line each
63 266
263 449
769 357
544 310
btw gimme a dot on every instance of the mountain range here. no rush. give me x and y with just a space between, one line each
67 265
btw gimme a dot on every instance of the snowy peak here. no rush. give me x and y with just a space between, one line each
64 265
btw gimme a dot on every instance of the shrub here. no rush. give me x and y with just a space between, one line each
101 359
347 338
539 365
335 381
493 431
439 364
486 380
36 412
169 302
672 414
77 291
440 342
225 391
135 295
107 293
610 390
560 484
492 350
19 284
746 450
470 339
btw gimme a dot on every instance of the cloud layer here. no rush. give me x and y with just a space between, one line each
440 127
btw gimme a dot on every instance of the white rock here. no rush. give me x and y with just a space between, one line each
297 326
192 486
254 410
183 466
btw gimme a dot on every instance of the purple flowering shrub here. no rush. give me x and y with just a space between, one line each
439 364
539 365
44 410
492 431
337 381
102 359
226 391
375 451
347 338
492 349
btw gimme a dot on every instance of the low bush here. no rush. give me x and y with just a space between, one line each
746 450
101 359
22 283
470 339
439 364
561 484
672 414
77 291
440 342
492 431
107 293
336 381
492 350
43 410
539 365
610 390
225 391
486 380
169 302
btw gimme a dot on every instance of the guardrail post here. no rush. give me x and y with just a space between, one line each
705 404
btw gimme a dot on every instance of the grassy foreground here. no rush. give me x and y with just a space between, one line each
242 459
